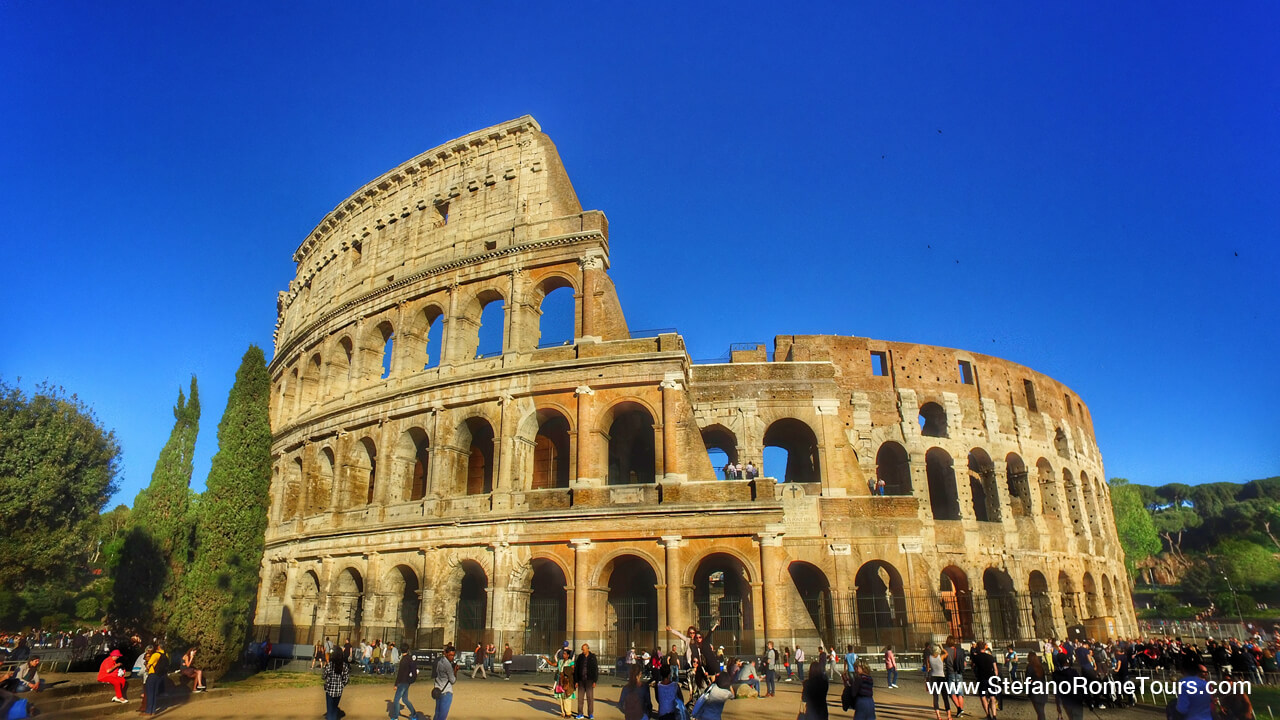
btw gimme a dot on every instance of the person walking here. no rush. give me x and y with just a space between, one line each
814 693
1037 674
112 672
446 677
586 672
634 699
336 675
955 662
861 691
987 672
406 674
936 681
890 667
508 657
479 667
318 656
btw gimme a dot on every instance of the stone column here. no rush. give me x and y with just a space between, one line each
447 340
498 620
592 265
671 466
757 622
582 616
677 613
340 479
586 439
772 597
504 478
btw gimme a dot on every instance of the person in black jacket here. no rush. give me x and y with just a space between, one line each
405 675
586 671
814 693
984 669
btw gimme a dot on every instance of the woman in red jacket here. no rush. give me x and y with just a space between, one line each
113 673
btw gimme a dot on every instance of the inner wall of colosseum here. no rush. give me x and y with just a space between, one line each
431 485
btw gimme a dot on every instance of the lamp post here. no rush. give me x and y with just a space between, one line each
1236 601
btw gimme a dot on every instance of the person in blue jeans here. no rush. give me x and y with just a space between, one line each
446 676
336 675
405 675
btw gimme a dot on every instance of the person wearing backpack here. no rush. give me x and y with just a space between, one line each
406 674
157 673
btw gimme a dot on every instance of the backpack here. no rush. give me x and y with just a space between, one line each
19 710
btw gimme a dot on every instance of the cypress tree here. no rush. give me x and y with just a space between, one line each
157 546
218 592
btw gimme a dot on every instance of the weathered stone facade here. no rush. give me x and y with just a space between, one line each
566 492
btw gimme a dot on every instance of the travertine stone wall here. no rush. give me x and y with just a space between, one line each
545 493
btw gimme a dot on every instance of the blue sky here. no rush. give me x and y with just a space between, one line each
1092 191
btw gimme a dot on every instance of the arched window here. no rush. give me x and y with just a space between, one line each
722 448
943 500
983 486
1060 443
815 594
413 455
319 493
957 602
632 454
1050 497
476 435
551 451
1002 605
893 466
933 420
799 459
881 604
340 366
556 315
1019 487
490 336
371 457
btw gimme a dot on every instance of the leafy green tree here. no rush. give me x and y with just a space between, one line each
215 609
1246 564
158 546
57 469
1134 526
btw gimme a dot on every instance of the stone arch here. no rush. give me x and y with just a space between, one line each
983 487
320 489
956 599
311 379
552 455
291 507
881 604
933 420
722 446
472 607
721 583
1002 605
547 623
631 446
630 580
306 604
943 500
1108 598
1067 593
1073 503
554 297
413 463
893 466
347 598
1041 605
800 442
339 372
475 439
422 337
404 591
1092 508
1018 485
1060 444
815 594
377 347
362 473
486 308
1090 595
1050 496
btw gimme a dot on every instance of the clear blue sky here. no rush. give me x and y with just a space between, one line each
1093 191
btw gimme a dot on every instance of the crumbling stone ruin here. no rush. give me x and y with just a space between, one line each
562 488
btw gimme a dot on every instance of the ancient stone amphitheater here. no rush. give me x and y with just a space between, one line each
550 487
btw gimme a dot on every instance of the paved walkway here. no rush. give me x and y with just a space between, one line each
527 697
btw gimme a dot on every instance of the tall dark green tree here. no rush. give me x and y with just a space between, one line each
57 469
1134 526
157 547
218 592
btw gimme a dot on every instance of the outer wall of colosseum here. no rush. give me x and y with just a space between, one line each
425 490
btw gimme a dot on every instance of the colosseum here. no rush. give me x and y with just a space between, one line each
584 485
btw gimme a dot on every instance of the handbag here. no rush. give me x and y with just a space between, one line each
435 693
804 712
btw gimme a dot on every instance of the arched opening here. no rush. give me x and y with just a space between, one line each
722 449
722 592
422 337
473 605
476 438
548 608
551 451
815 594
1019 487
933 420
292 490
632 607
632 457
1067 594
405 591
1002 605
311 383
983 486
413 453
800 446
1108 599
957 602
340 366
943 500
490 335
1041 605
1060 444
893 468
881 604
1073 502
364 473
321 484
385 336
1090 597
1091 510
434 347
349 602
306 605
1050 499
556 315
